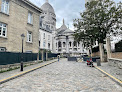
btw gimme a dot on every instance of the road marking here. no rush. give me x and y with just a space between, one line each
20 74
115 79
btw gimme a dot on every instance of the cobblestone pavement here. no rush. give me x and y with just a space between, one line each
17 71
63 76
114 71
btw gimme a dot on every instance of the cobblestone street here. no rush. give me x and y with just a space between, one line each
63 76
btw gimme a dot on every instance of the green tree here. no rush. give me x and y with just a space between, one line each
101 17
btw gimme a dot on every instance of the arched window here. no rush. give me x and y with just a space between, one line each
43 44
39 43
75 43
59 44
64 44
56 45
70 44
48 45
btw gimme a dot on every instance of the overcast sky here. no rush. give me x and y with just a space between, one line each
67 9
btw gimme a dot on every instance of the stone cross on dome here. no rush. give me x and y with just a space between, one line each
63 21
47 1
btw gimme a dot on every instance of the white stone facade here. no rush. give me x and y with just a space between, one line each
62 38
45 39
65 42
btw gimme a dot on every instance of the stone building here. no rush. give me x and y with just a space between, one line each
19 17
66 44
60 43
47 25
45 39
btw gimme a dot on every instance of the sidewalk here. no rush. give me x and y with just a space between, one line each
114 71
17 71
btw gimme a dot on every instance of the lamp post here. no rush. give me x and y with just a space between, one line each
21 68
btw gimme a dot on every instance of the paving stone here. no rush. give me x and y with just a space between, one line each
114 71
63 76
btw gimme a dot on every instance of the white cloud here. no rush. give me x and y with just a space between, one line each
67 9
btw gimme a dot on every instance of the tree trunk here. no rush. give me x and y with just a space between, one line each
101 52
91 51
108 45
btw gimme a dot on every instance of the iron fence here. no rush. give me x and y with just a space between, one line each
14 57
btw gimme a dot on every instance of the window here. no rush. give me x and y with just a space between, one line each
43 44
30 18
5 6
29 51
3 29
63 44
44 36
44 25
39 43
51 27
56 45
29 36
2 49
70 44
59 44
75 43
75 49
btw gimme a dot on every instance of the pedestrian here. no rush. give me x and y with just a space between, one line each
58 57
91 63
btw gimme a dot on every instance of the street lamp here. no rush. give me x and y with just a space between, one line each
21 68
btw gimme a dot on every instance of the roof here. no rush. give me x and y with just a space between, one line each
32 5
68 31
64 30
46 29
47 7
47 17
63 27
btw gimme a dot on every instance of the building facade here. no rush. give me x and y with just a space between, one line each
66 44
47 27
62 38
19 17
45 39
39 27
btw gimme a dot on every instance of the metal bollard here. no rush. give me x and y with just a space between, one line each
98 62
21 68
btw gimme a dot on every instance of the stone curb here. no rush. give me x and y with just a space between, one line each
110 76
23 73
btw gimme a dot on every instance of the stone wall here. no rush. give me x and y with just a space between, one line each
17 24
115 62
95 54
17 65
117 55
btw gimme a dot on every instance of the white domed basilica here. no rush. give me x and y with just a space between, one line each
59 40
48 16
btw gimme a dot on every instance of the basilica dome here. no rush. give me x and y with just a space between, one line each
47 7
